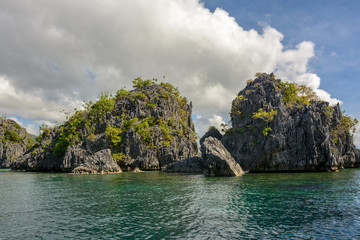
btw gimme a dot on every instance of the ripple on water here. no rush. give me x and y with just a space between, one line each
155 205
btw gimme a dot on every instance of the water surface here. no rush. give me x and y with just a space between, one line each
156 205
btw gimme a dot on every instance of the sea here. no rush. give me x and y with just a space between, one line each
157 205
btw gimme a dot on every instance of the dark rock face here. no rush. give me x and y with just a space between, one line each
13 142
39 157
146 128
212 132
272 132
189 165
217 160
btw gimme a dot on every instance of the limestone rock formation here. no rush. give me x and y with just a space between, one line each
14 141
284 127
78 160
145 128
217 160
212 132
189 165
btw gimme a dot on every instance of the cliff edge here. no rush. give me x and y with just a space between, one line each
280 126
14 141
145 128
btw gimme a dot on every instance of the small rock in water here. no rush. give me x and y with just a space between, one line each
217 160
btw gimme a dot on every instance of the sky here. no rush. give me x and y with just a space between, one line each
56 54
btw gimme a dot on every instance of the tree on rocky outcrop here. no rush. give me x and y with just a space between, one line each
280 126
14 141
145 128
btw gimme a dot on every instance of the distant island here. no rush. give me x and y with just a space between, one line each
275 127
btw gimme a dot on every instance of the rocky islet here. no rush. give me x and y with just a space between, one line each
275 127
281 127
145 128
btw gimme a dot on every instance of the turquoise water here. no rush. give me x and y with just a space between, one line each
156 205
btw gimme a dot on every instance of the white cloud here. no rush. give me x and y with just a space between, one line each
216 121
357 141
33 105
203 122
57 53
293 67
30 128
326 97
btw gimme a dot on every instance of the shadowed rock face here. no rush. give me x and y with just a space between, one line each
215 160
146 128
189 165
218 160
287 135
13 142
212 132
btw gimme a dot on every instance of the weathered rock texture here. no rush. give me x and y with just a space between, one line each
14 141
78 160
212 132
275 130
217 160
146 128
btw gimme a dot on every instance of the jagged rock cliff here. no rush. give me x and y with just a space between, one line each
14 141
284 127
215 159
146 128
218 160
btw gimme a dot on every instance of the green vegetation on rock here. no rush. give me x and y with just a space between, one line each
30 142
267 116
296 94
118 157
44 131
12 136
329 112
347 125
122 93
153 130
249 81
139 83
266 131
14 141
236 103
114 135
81 123
284 125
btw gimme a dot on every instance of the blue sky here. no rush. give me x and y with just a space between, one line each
334 27
55 54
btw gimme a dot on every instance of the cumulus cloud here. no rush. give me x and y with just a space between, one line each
30 128
216 121
357 141
293 67
54 54
32 105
